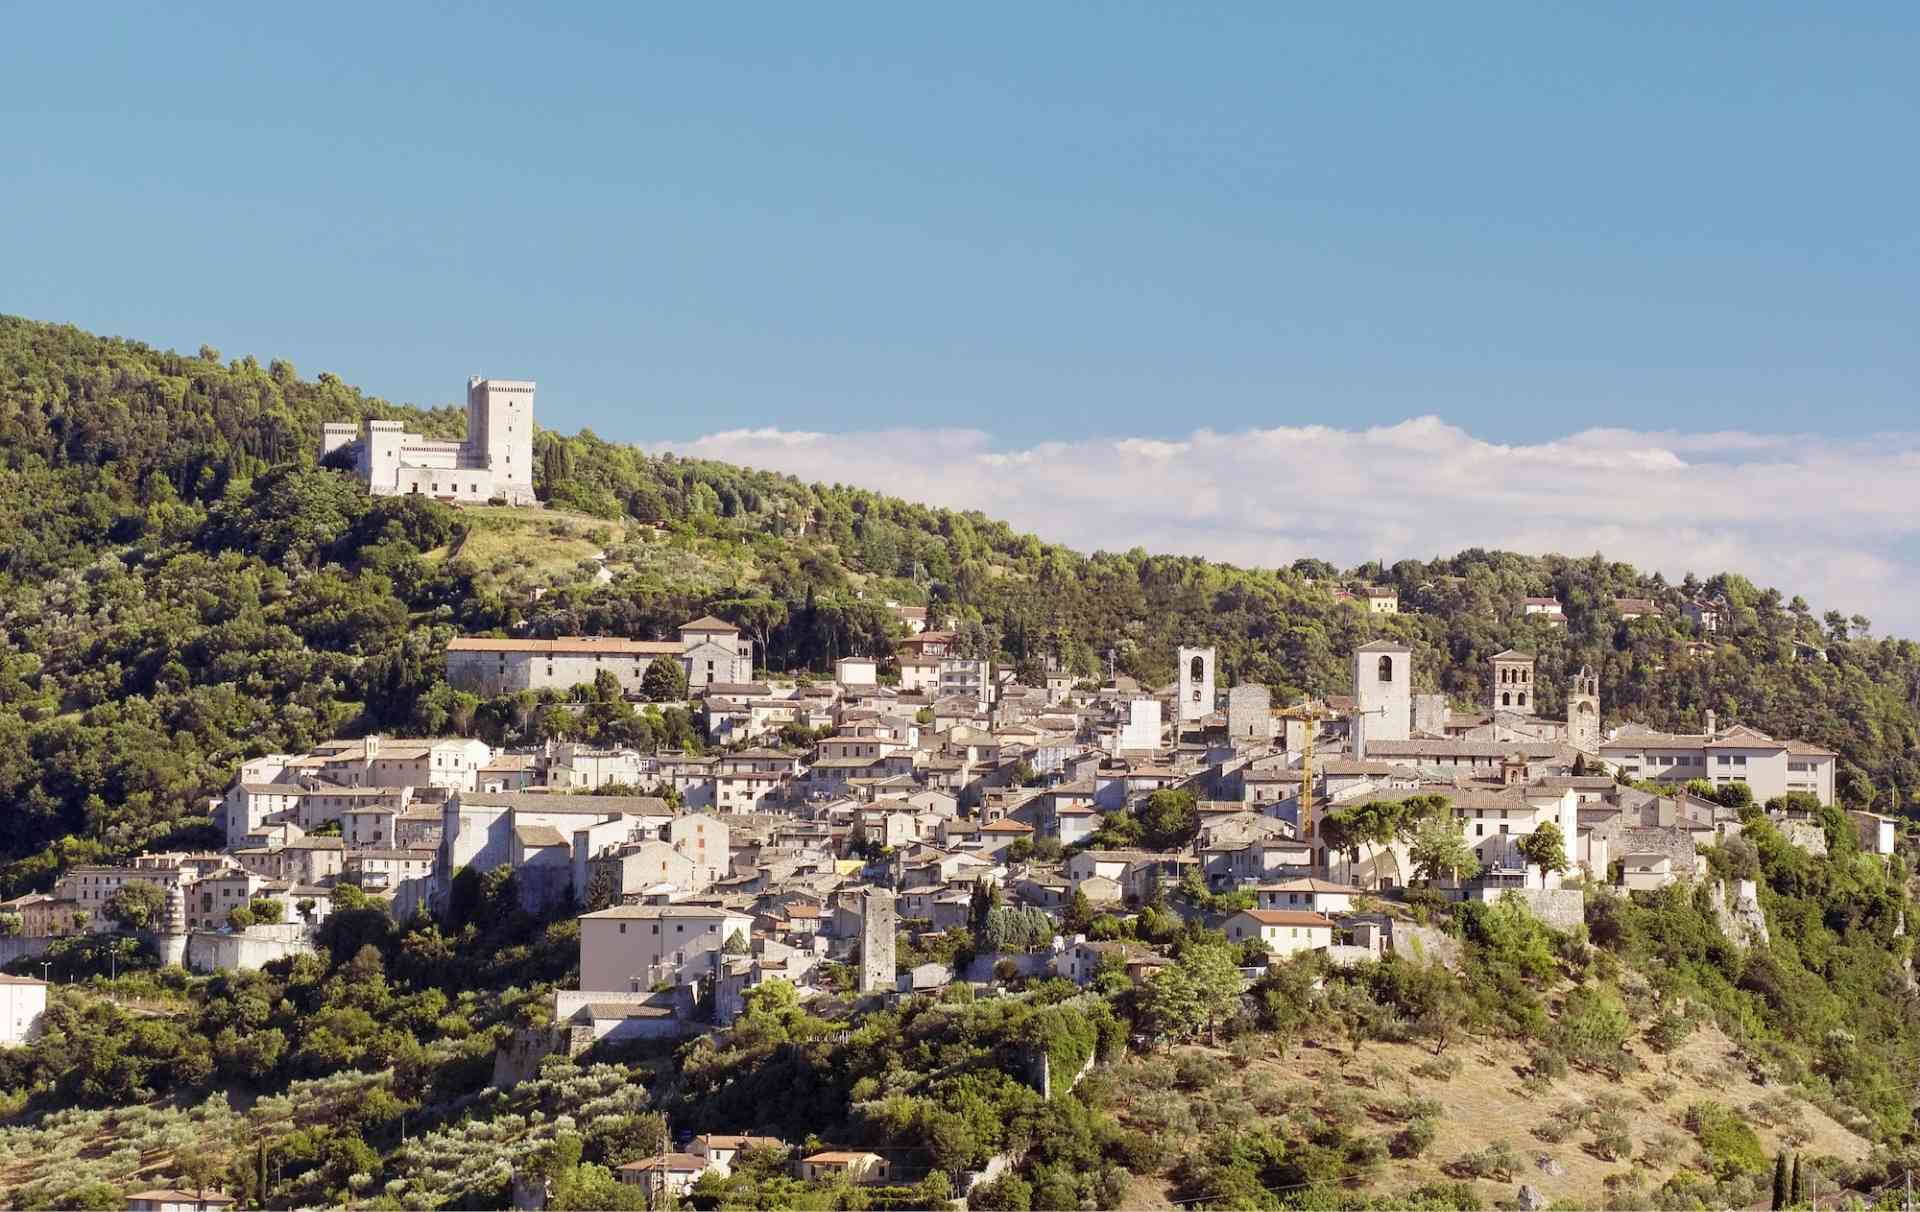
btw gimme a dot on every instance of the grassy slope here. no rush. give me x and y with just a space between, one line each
1485 1102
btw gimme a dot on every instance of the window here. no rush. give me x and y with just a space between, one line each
1386 669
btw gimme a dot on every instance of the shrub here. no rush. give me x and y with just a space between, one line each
1416 1138
1439 1068
1669 1031
1408 1108
1730 1145
1497 1161
1199 1071
1461 1196
1548 1064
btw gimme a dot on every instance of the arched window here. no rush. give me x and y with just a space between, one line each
1506 699
1198 669
1386 669
1584 708
1523 699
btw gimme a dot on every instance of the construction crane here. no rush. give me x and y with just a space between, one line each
1312 717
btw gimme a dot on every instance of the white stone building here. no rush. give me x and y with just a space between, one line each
493 462
709 651
631 948
1735 755
22 1001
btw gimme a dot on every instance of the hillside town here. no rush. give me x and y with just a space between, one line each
934 784
922 820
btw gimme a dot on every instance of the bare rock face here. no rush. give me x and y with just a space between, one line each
1530 1200
1741 918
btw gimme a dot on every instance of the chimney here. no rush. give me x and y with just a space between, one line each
1713 729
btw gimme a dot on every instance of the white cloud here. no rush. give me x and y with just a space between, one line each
1823 518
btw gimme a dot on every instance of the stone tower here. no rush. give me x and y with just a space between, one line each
500 430
877 925
1250 713
1583 711
1512 682
1383 689
1196 685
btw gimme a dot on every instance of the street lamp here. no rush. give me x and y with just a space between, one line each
46 970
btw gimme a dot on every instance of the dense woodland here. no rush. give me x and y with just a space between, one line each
183 587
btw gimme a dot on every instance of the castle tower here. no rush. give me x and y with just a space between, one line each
877 924
500 432
1583 711
1196 685
1383 690
1512 682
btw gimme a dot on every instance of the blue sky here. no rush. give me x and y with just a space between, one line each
1247 281
1042 221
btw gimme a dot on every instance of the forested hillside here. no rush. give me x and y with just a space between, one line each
183 587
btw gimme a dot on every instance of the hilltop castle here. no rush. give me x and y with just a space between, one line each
494 462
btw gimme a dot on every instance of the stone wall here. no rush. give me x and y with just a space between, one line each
21 947
255 947
1561 908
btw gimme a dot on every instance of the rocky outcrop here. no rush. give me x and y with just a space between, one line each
1741 918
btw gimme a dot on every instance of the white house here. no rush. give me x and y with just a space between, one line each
856 671
23 1000
631 948
1283 931
1307 895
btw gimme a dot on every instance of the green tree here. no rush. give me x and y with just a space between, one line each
135 904
1169 819
1545 848
1440 847
1781 1189
665 681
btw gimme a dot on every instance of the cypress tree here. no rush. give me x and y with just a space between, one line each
1797 1194
1780 1187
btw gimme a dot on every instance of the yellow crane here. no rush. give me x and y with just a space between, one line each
1312 716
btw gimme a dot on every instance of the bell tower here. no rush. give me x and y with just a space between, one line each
1196 685
1583 711
1512 682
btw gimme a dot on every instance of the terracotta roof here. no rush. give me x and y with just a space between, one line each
538 835
1309 884
569 645
1285 917
707 624
668 1161
644 912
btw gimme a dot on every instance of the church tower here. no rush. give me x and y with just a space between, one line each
1195 685
1512 682
1383 690
1583 711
